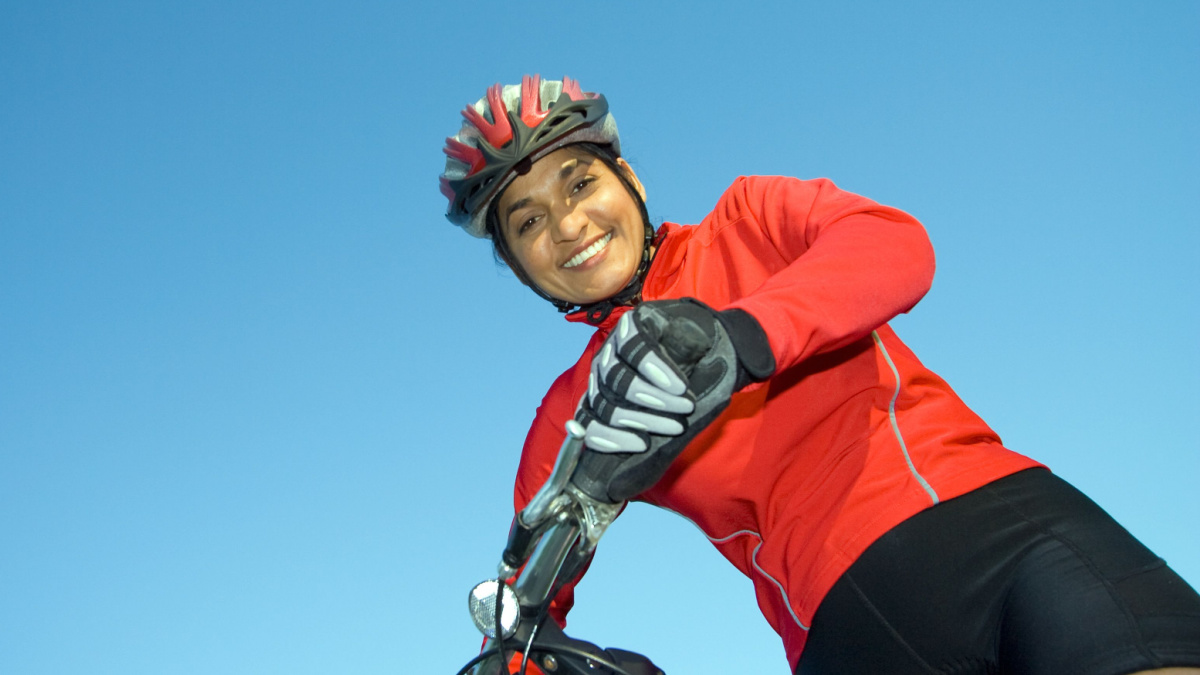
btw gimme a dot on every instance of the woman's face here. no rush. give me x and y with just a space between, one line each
573 227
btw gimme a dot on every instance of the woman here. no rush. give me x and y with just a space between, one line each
745 369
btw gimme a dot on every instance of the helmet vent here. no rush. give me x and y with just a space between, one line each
508 129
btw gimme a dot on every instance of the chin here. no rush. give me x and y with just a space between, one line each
601 285
605 290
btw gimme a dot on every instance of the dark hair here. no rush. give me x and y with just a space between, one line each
503 255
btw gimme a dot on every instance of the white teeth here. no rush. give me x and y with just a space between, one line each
588 252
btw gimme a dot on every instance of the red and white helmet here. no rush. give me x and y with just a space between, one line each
511 126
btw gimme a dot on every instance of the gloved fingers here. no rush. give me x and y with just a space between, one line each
657 371
602 438
637 345
646 395
645 422
622 384
617 411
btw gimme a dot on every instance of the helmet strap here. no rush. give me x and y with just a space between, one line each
597 312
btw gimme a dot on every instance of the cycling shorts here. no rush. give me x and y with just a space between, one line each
1025 575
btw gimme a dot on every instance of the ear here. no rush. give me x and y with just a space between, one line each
632 177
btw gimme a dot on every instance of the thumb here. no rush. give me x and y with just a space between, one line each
685 342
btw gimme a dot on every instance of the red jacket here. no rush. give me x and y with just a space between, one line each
851 436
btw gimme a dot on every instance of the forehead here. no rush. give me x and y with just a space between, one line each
547 173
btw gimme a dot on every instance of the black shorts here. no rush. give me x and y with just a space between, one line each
1024 575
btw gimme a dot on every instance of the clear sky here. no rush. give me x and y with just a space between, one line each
261 405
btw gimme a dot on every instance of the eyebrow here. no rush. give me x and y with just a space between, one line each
519 204
565 172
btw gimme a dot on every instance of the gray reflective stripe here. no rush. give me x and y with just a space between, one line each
786 601
753 560
895 426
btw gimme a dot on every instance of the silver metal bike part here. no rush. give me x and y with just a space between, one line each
595 515
533 588
482 603
505 570
568 457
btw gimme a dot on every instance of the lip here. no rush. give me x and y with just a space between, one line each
583 247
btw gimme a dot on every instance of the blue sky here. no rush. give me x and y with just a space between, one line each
260 404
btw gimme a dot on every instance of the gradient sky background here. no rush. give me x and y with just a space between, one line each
260 405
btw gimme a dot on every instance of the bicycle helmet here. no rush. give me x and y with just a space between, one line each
502 135
496 139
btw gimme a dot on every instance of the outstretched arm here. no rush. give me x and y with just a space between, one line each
852 264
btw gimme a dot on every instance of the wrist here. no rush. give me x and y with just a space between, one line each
749 342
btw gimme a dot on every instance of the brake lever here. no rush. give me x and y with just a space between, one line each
550 537
551 500
568 458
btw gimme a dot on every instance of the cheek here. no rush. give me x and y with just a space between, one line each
616 206
608 205
533 254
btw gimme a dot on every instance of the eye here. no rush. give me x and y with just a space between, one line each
582 183
526 224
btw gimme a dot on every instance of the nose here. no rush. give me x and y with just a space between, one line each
571 224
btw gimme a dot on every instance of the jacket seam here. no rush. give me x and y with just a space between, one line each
753 561
896 425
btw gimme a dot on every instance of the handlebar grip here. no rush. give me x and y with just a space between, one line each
520 544
594 471
685 343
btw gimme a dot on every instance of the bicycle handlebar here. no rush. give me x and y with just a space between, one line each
559 528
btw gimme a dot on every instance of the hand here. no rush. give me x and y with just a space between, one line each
666 371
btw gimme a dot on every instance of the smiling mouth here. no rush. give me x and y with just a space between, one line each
588 252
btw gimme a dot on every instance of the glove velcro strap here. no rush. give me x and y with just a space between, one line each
750 342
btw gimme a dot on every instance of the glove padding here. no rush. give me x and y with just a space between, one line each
666 371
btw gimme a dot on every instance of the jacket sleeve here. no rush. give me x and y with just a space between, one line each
851 264
541 449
